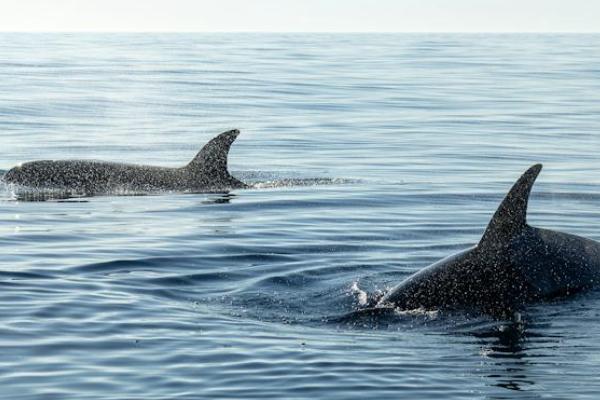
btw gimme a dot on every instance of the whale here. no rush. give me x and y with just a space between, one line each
513 264
207 172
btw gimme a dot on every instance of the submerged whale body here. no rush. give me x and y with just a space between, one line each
206 172
512 265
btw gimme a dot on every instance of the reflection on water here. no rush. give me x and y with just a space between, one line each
62 195
219 199
506 344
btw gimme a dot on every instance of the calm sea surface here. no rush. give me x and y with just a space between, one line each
370 157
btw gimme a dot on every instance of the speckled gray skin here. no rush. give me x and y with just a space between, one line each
513 264
206 172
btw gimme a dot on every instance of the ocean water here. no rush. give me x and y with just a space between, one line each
370 156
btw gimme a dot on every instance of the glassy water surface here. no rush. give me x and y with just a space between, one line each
370 157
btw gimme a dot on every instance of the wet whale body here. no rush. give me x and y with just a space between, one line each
207 172
512 265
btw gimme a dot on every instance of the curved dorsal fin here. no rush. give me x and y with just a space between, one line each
212 159
511 217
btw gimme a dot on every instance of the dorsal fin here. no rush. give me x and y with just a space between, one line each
212 159
511 217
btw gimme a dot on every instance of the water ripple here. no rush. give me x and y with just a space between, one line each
368 156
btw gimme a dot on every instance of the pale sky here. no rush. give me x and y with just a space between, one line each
302 15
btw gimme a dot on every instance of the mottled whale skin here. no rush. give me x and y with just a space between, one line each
207 172
513 264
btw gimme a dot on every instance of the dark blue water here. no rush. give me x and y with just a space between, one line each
370 157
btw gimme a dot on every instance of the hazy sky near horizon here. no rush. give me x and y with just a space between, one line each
302 15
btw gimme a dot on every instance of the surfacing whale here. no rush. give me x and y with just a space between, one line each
512 265
207 172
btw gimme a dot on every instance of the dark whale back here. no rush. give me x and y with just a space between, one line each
207 172
556 263
512 264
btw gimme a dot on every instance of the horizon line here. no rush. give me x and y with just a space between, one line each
299 31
